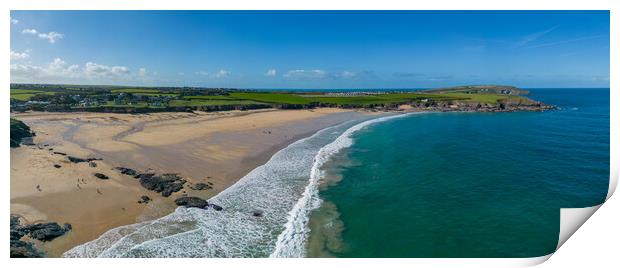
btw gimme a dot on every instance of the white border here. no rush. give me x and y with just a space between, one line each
568 260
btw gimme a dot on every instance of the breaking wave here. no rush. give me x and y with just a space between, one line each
283 190
291 242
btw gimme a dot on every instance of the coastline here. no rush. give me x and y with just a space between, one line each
242 141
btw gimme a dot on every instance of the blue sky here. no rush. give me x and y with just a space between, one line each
311 49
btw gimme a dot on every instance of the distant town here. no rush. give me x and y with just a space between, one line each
67 98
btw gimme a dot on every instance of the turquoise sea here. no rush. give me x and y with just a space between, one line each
413 185
465 184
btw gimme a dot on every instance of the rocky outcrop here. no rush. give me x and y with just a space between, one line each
216 207
40 231
200 186
144 200
101 176
192 202
126 171
166 184
47 231
19 132
76 160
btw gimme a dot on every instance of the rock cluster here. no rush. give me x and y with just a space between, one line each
144 200
101 176
191 202
201 186
76 160
166 184
196 202
126 171
41 231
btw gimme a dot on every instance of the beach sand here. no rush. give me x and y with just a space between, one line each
219 148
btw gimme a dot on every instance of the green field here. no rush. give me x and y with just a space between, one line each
209 97
136 90
26 94
207 102
292 98
275 98
483 98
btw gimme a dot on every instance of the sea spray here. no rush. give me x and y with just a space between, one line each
291 242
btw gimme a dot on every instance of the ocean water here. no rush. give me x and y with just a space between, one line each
465 184
414 185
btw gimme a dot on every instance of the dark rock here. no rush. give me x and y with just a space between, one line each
57 165
74 159
60 153
200 186
127 171
101 176
144 175
257 213
166 184
192 202
216 207
144 199
46 231
92 164
20 133
93 159
23 249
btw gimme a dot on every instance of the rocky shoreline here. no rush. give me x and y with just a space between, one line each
44 232
501 106
168 183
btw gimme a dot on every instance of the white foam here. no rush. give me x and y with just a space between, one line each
291 242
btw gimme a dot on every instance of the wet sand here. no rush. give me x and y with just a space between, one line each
219 148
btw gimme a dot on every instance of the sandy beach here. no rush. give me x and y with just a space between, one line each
217 148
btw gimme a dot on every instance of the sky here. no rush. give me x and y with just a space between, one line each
311 49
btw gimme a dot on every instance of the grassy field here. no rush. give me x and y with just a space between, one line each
292 98
135 90
208 97
209 102
276 98
483 98
26 94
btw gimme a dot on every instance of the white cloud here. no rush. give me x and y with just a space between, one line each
142 72
51 37
59 71
306 74
103 71
222 74
271 73
14 21
29 31
218 74
19 56
348 74
52 72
